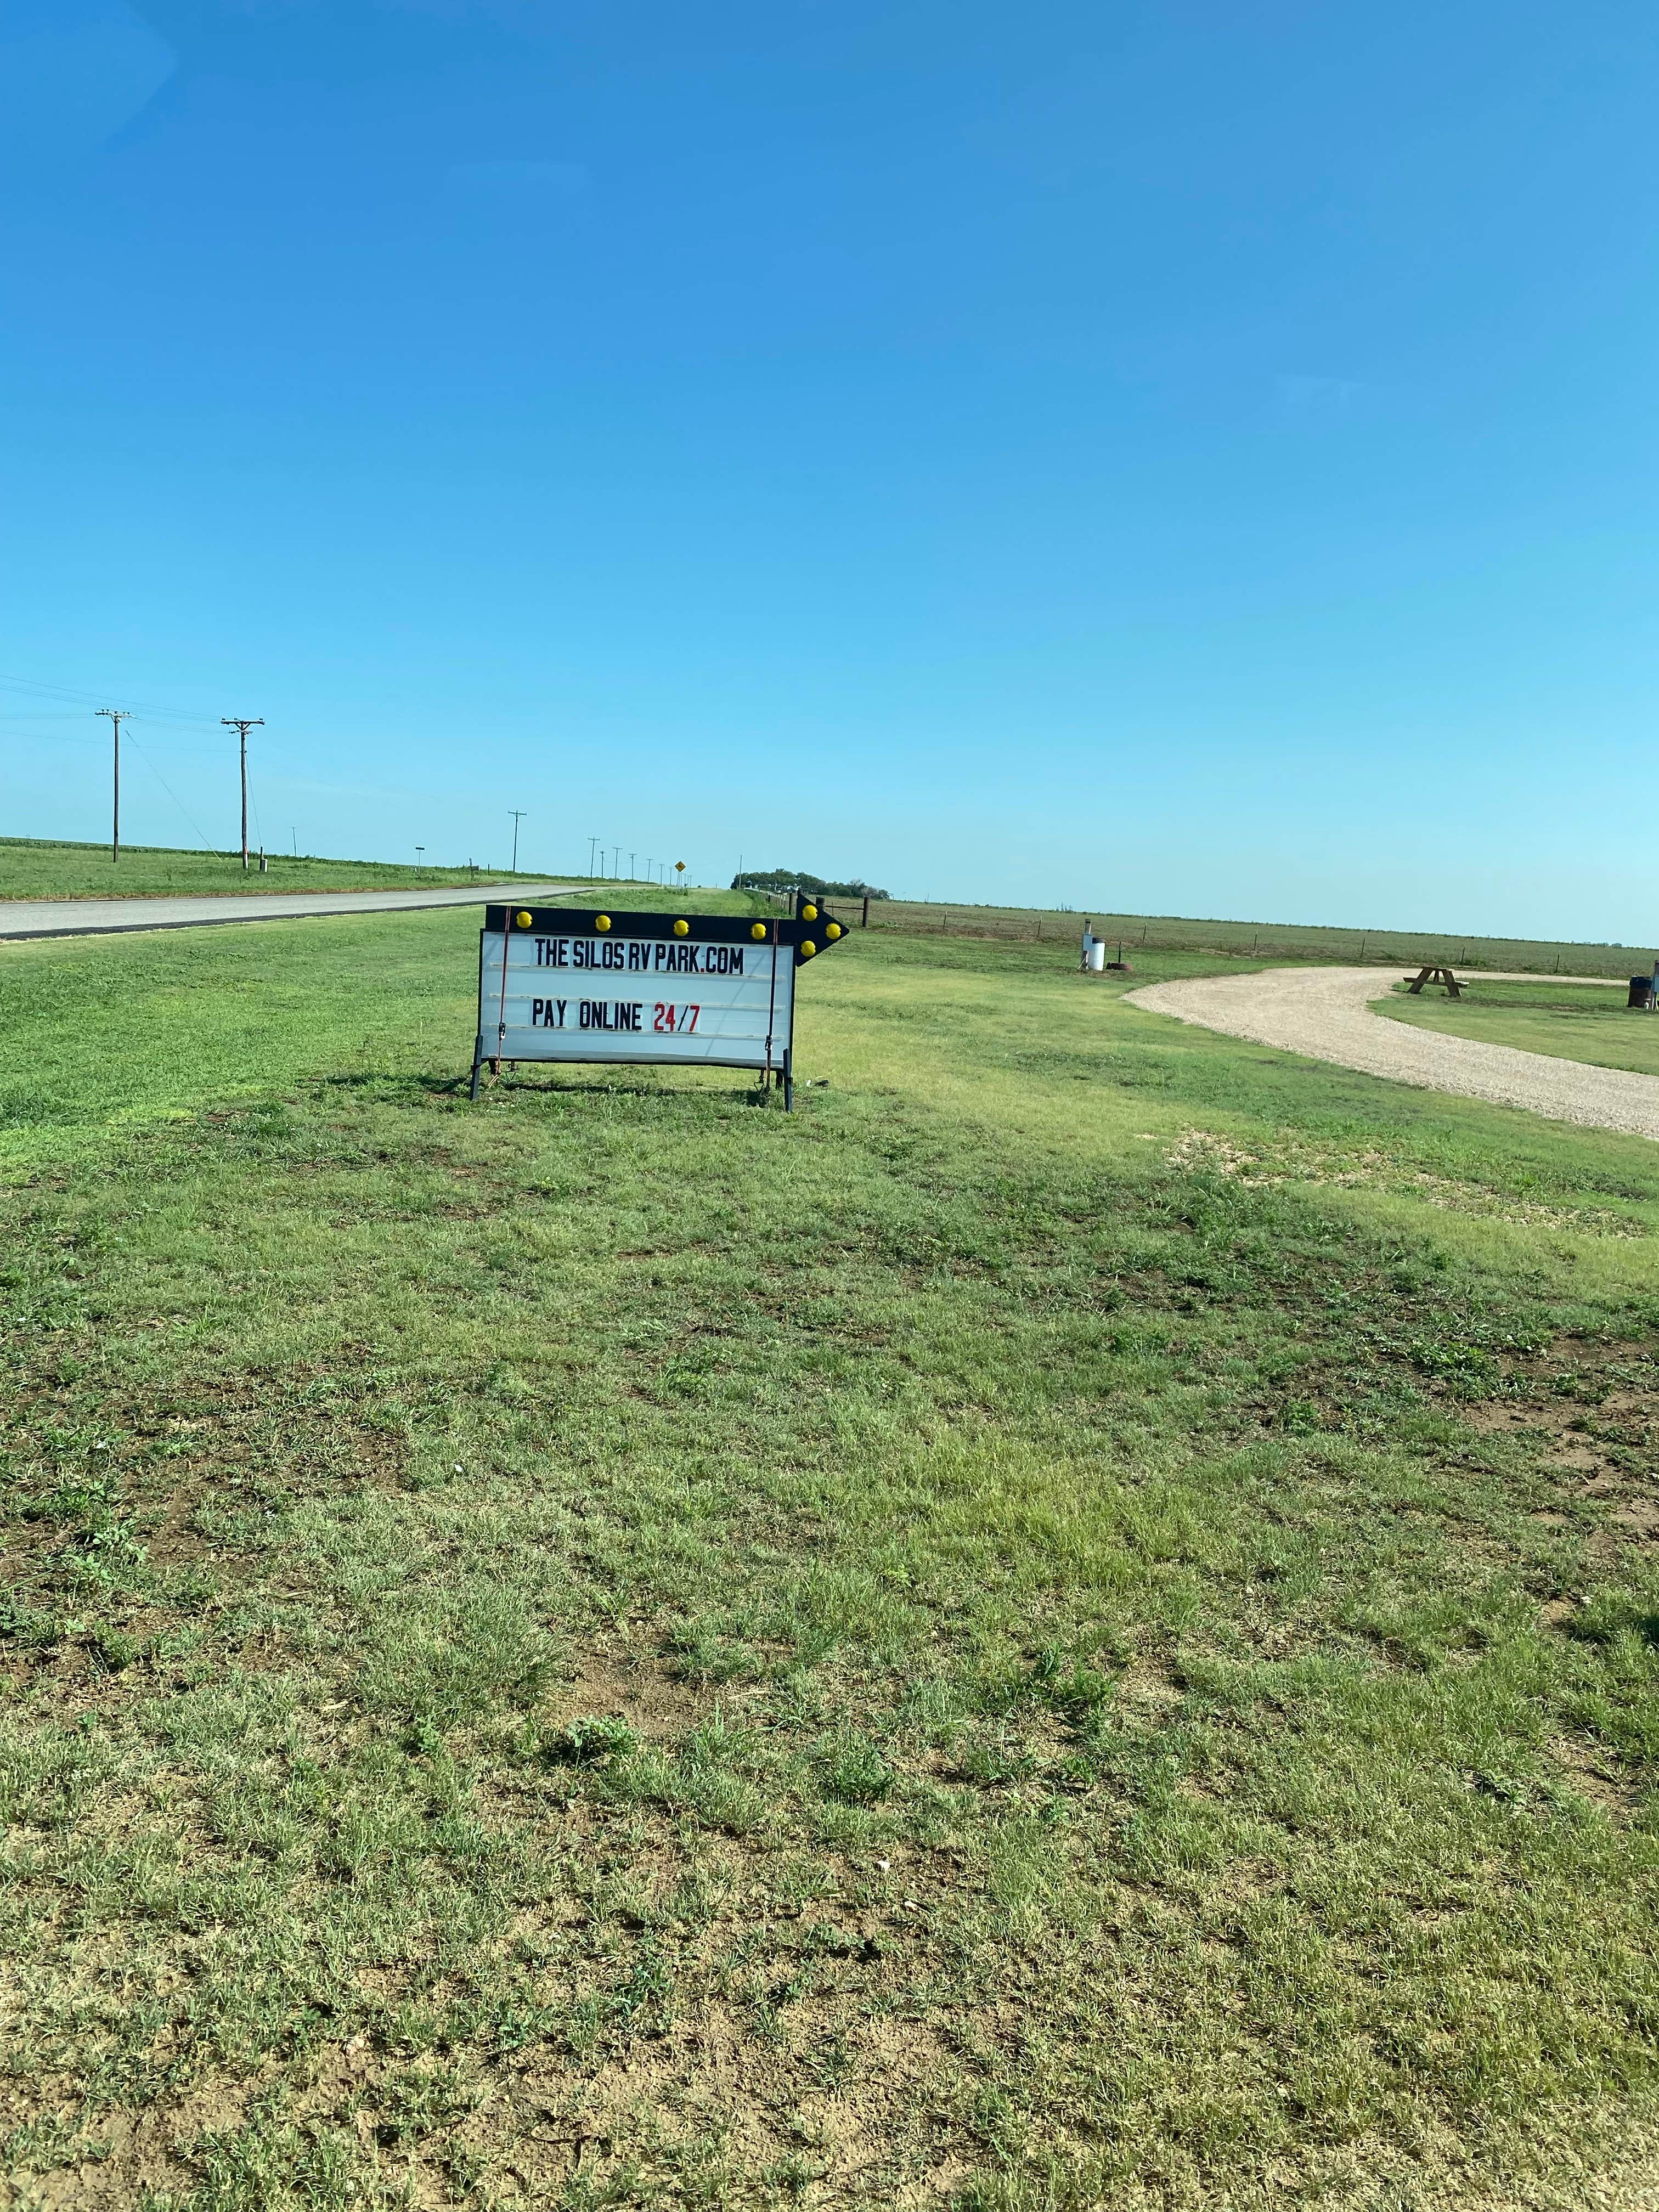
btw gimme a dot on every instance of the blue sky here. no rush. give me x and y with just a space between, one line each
1183 456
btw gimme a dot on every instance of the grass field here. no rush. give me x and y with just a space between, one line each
32 867
1278 942
1587 1022
1075 1625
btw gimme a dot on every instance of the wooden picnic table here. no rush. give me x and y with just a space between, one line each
1433 974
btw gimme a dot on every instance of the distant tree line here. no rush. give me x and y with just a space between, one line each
797 879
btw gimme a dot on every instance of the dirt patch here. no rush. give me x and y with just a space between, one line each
128 1517
126 2157
1589 1770
1593 1416
773 2040
828 2098
1146 1688
638 1687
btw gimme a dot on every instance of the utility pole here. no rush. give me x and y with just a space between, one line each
236 722
633 871
592 847
517 814
117 715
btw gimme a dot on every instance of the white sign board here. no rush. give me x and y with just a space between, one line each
612 997
709 989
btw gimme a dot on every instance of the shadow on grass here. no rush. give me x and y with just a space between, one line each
391 1088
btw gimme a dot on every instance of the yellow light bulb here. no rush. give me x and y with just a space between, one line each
809 913
834 930
681 928
522 919
807 948
758 929
601 921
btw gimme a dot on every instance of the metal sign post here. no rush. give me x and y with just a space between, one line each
652 989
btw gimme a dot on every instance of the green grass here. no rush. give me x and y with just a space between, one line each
129 1030
32 868
1074 1624
1588 1022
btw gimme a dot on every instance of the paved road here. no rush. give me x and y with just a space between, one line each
1326 1013
95 917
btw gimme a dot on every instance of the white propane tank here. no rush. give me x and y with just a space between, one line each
1096 956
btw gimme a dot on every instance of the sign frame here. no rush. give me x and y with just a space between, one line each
804 935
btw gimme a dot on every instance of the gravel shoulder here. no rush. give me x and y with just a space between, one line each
1326 1013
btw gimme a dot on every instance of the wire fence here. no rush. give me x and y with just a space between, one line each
1281 943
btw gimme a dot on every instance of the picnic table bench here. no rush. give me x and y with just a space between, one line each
1433 974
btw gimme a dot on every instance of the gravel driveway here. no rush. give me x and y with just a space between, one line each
1326 1013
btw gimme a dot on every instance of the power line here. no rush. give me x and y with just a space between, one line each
63 691
35 715
206 841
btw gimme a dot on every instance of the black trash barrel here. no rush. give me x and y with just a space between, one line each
1641 991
